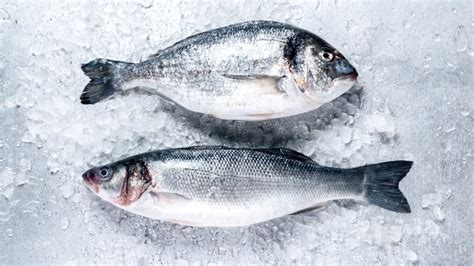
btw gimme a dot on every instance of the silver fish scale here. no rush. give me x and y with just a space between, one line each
195 60
235 177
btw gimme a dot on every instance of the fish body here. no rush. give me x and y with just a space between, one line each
225 187
248 71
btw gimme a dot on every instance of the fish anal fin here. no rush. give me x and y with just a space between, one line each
261 116
182 222
310 209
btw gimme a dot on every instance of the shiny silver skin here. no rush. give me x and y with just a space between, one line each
220 186
254 70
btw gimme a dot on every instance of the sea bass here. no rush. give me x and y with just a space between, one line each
254 70
225 187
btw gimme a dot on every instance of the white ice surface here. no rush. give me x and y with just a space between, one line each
416 103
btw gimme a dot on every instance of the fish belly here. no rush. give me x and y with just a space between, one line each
217 214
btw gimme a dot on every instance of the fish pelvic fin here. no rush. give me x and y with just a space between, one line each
105 79
316 207
381 185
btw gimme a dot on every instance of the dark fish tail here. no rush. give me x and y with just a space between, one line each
381 185
105 79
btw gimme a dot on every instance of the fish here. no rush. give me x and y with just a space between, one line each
217 186
251 71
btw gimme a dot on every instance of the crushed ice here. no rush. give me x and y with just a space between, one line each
355 129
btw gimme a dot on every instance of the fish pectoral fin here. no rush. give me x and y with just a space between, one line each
169 197
266 84
251 77
310 209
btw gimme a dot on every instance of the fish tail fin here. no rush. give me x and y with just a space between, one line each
381 185
104 81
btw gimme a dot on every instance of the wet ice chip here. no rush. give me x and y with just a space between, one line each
346 134
67 191
5 216
145 4
101 245
20 179
430 200
438 213
316 4
449 128
7 177
91 229
437 38
460 38
446 193
408 156
5 16
379 123
410 255
352 243
9 232
64 223
351 25
71 263
10 102
431 229
76 198
470 52
181 262
396 233
25 164
8 191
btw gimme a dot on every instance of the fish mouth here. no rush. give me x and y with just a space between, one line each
90 180
351 76
340 85
343 81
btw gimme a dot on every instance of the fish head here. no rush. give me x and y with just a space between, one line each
321 72
106 181
120 183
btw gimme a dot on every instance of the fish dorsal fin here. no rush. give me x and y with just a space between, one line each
283 152
157 53
210 147
288 154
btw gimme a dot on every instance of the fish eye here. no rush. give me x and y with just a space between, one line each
105 172
326 56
